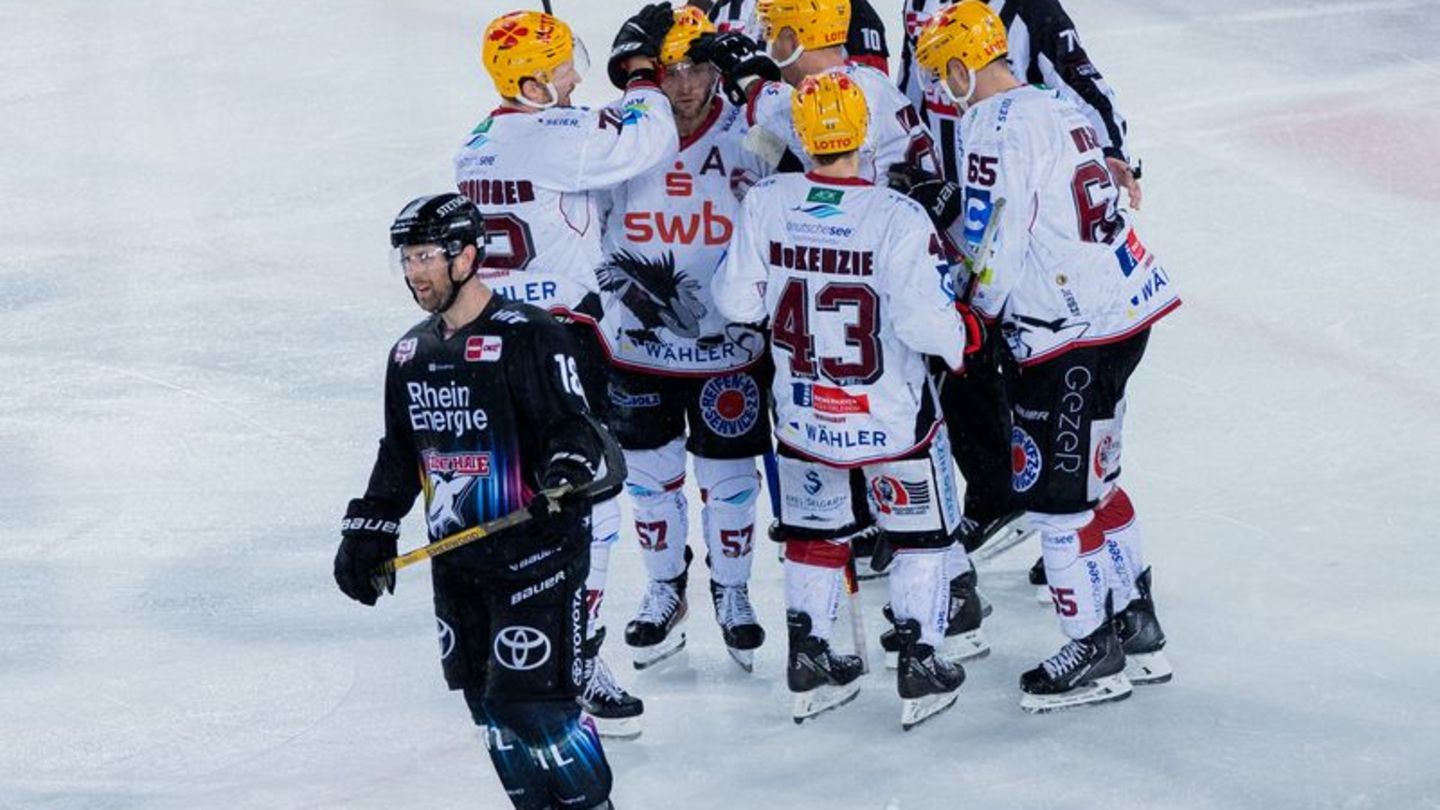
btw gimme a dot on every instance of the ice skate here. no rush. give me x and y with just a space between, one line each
928 683
616 712
1088 670
655 633
964 640
736 616
1142 639
819 679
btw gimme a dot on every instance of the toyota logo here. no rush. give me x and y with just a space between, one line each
521 648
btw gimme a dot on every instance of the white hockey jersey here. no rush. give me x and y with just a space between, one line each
533 176
896 133
666 233
847 274
1066 267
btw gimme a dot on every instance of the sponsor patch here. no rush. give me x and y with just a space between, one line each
730 405
627 400
462 463
899 497
521 648
978 209
824 399
483 348
446 637
405 351
1024 460
1130 254
827 196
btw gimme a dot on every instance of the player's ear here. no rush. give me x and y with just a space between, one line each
534 90
468 260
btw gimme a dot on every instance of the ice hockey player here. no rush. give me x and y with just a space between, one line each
864 42
534 167
481 399
1045 50
805 38
684 379
1075 291
845 274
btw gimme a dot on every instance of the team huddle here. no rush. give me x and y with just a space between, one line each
766 255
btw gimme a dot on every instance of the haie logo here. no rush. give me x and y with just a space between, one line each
709 227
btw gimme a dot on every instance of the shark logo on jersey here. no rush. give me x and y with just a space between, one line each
655 293
1023 325
442 509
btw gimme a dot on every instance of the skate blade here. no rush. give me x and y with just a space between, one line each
1042 596
647 657
1101 690
807 705
1001 541
985 607
966 646
865 573
745 658
616 728
915 711
1145 669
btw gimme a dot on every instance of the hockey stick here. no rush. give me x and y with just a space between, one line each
857 614
977 263
599 489
546 4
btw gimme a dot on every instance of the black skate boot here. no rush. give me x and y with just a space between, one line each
654 634
1041 583
615 711
1142 638
742 631
819 679
1090 670
928 683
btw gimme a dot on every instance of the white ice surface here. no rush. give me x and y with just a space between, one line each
194 313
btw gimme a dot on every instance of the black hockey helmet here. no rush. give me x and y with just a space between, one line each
449 220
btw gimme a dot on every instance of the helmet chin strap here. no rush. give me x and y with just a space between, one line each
787 61
962 103
536 105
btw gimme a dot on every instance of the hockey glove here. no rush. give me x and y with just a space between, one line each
940 198
641 35
739 59
974 328
367 539
564 469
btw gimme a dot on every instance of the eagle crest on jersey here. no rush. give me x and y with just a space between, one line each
656 294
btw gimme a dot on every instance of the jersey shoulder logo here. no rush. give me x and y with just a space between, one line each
405 351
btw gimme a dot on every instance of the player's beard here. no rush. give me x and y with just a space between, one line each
434 296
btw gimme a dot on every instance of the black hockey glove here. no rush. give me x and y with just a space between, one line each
739 60
564 469
367 540
941 199
641 35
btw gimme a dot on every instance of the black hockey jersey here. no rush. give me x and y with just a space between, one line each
472 420
864 43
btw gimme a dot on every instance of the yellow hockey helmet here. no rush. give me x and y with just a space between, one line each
690 23
525 45
817 23
967 31
830 114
